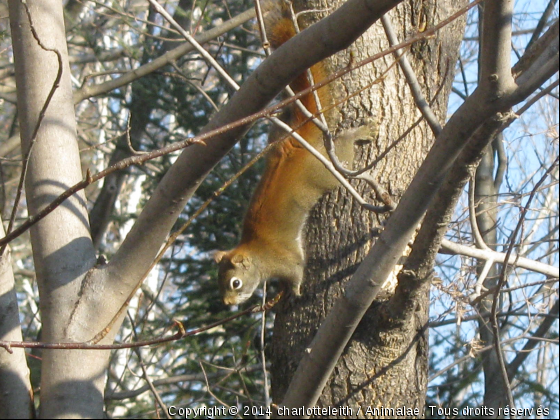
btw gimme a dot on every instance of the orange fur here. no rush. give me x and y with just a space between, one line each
293 181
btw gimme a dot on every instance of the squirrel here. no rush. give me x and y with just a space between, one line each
292 183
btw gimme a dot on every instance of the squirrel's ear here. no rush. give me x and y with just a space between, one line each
241 260
218 255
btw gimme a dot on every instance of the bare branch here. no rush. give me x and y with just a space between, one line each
488 254
530 345
165 59
145 372
495 65
502 281
8 345
408 72
195 44
542 22
195 377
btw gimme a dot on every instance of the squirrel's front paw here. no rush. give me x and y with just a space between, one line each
365 133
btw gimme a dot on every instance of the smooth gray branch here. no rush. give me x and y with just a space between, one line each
499 257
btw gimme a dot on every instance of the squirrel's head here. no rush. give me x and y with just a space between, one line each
237 276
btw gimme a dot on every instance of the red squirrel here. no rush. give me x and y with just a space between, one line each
292 183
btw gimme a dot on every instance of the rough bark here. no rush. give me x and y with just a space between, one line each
384 364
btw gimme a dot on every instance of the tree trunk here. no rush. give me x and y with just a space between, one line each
385 365
71 381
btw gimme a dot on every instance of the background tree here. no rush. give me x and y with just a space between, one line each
139 87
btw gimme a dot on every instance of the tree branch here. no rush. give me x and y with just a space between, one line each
164 60
530 345
194 377
411 78
488 254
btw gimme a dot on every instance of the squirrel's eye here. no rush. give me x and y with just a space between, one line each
235 283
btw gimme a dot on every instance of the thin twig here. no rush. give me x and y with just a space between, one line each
113 395
411 78
537 97
145 372
209 388
473 353
482 315
542 22
263 355
163 60
129 141
262 29
8 345
208 57
322 121
196 86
